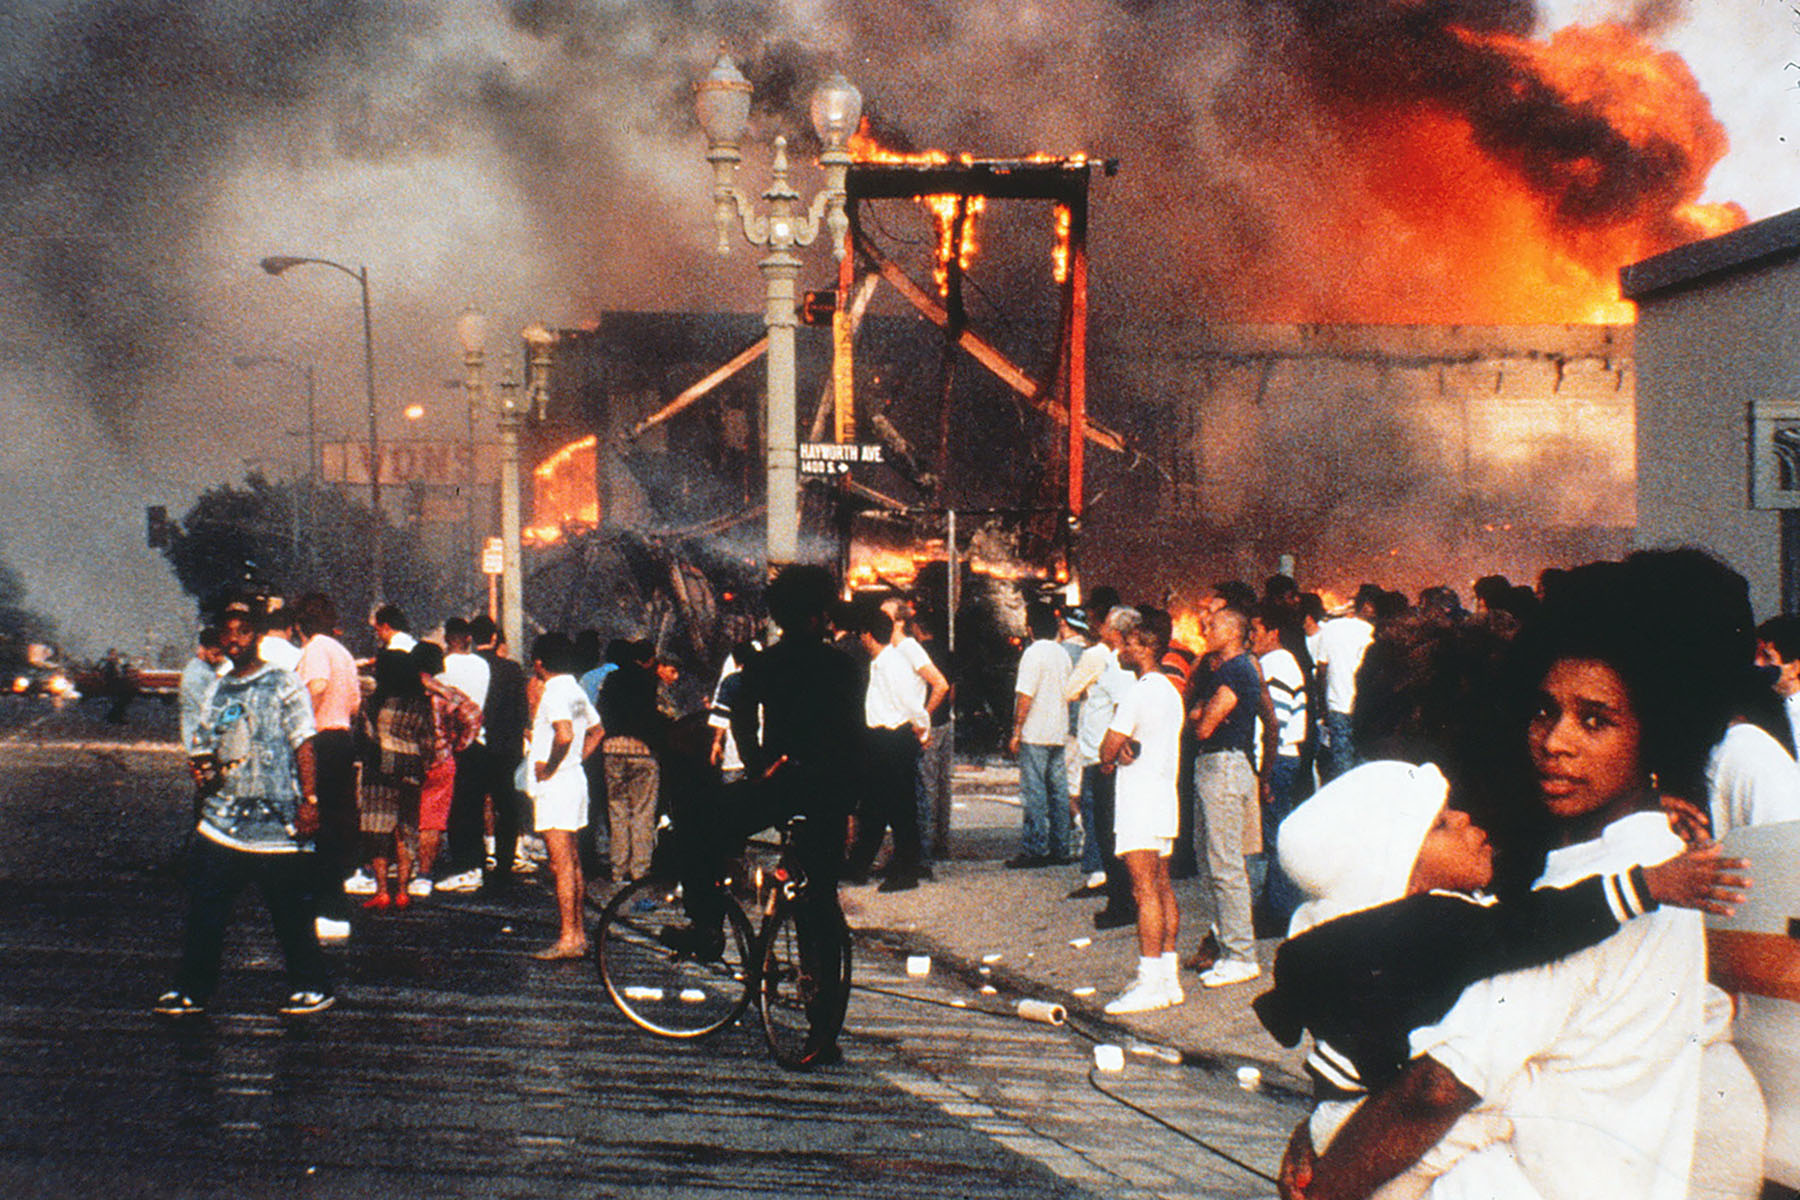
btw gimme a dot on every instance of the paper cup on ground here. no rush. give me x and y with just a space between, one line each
918 964
1249 1078
1108 1057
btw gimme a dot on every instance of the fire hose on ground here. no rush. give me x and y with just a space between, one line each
1108 1058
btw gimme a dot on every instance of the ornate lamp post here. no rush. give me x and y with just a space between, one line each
722 102
275 264
471 331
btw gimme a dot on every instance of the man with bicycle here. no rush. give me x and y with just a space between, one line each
797 720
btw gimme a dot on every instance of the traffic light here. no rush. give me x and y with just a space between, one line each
816 307
158 529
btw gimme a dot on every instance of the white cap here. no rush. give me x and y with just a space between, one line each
1353 844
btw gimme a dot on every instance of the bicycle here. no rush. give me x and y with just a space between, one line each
663 987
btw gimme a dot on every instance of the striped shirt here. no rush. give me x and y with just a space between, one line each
1287 691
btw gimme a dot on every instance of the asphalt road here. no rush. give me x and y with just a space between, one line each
456 1065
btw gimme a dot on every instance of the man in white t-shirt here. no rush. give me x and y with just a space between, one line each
1040 729
724 753
392 629
276 645
565 730
470 674
1098 684
1341 646
1286 684
1750 780
1144 743
904 685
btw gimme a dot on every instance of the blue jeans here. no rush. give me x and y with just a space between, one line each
932 790
1279 894
1338 755
1044 796
1093 853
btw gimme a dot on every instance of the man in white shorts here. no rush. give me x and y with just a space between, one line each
565 731
1144 742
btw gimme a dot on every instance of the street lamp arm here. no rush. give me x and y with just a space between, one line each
275 264
728 199
826 206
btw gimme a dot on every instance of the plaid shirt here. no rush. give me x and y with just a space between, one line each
398 741
455 718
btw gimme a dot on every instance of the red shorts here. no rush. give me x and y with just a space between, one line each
434 796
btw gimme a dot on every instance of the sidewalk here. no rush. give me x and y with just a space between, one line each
1016 931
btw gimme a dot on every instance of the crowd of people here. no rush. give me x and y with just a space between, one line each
1483 832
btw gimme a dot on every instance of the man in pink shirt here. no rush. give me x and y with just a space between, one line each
328 673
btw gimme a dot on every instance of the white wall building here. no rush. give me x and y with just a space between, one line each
1716 349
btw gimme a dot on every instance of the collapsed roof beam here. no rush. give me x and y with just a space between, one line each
981 350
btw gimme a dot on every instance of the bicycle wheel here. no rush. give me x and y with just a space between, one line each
802 1012
663 990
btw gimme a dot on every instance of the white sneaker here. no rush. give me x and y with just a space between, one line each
467 881
1228 971
360 884
329 930
523 866
420 886
1146 995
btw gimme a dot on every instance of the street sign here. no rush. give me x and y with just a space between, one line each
493 557
834 458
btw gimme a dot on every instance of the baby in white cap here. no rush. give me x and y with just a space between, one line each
1396 926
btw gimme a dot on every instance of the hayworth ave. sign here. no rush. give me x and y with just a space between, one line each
834 458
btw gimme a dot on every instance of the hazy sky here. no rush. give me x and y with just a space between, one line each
539 157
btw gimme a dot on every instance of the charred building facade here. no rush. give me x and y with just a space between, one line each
1407 454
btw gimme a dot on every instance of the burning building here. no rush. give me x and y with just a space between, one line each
1409 361
1412 454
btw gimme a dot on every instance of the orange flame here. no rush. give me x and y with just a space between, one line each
1059 253
1451 220
1187 631
872 566
943 208
565 494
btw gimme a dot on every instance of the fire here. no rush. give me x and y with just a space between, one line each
944 209
1514 193
1187 631
870 567
1059 253
564 493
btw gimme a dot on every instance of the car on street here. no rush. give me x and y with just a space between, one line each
38 679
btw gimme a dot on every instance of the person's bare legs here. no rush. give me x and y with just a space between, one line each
565 863
1158 925
403 858
1159 919
429 839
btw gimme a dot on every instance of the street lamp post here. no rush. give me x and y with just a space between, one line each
275 264
245 362
512 580
722 102
471 331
